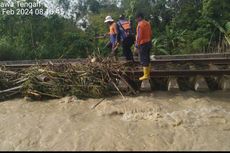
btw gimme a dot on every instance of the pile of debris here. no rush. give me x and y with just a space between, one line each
84 80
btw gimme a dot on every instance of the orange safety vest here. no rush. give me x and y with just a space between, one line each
124 28
144 33
126 25
113 29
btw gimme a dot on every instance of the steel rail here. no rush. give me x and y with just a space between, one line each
216 57
218 61
181 73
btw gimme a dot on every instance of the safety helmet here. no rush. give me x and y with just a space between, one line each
108 19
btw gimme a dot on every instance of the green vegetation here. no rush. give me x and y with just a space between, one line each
180 26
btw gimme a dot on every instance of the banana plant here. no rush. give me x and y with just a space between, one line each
168 42
159 47
225 31
227 27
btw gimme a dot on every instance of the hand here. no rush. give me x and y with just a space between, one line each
136 51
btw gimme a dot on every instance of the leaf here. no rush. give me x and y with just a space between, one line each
227 27
217 25
163 51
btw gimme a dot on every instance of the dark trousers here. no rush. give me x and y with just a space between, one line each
145 54
126 47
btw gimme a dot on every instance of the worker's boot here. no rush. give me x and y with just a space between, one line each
146 76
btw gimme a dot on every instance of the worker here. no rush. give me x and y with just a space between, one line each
144 45
112 34
126 37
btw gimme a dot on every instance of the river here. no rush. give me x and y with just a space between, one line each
170 121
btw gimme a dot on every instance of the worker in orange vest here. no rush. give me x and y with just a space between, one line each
126 37
112 34
144 45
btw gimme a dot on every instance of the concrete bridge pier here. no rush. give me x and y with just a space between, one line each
173 84
224 83
200 84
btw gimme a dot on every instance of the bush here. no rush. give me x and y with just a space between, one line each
7 51
199 43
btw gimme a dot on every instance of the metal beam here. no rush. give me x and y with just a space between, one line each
181 73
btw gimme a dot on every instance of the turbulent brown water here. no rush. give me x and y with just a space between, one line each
154 121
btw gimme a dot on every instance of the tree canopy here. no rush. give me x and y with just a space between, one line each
179 27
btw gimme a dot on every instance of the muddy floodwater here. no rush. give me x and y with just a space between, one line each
153 121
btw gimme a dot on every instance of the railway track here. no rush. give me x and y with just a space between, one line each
195 56
183 72
199 72
219 59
